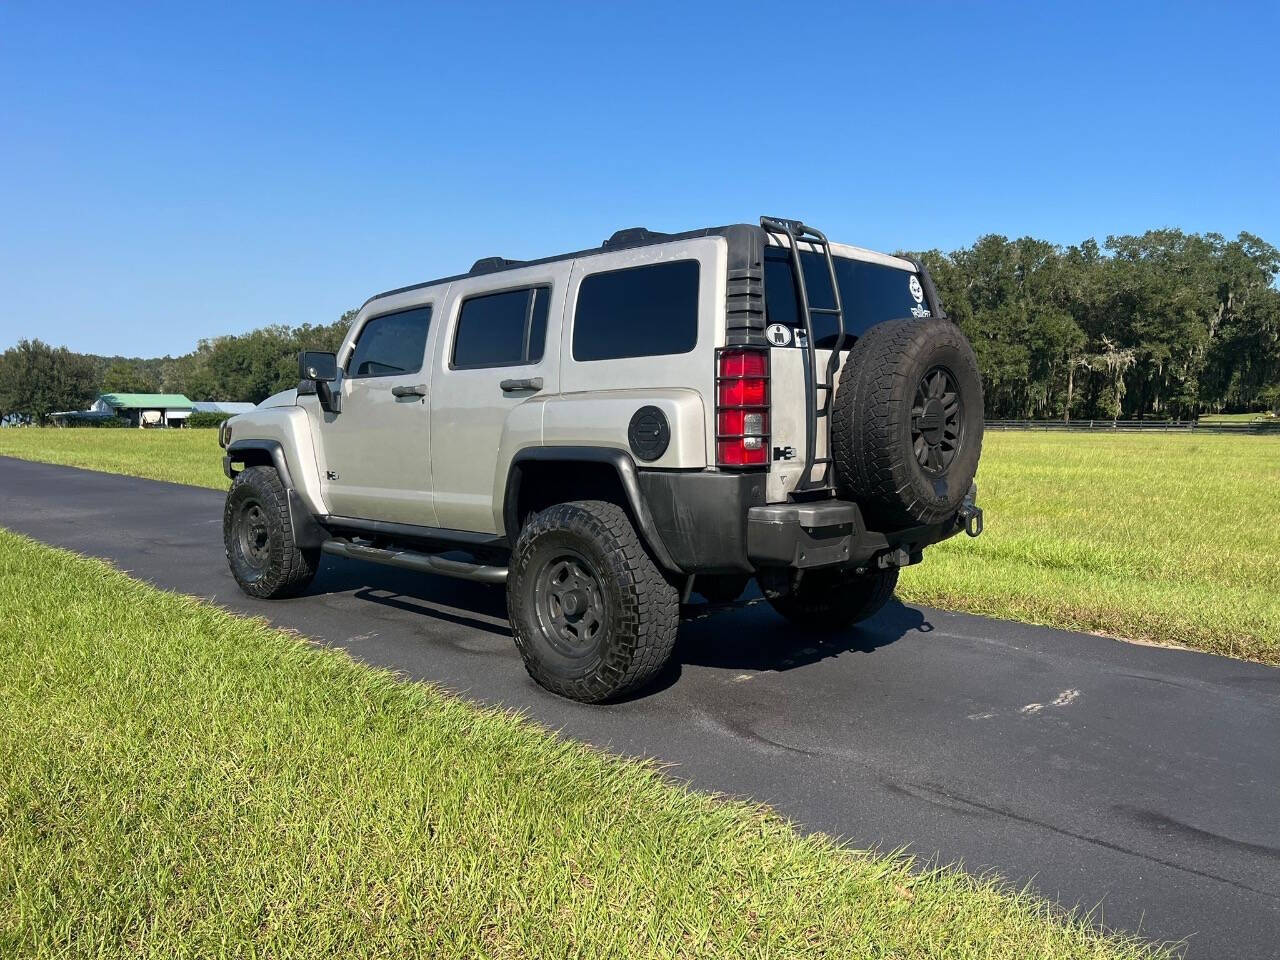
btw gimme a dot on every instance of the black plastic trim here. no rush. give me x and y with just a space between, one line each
307 532
626 468
412 531
419 562
743 239
702 516
833 533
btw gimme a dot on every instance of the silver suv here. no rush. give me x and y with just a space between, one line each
609 431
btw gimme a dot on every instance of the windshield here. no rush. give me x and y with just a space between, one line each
869 292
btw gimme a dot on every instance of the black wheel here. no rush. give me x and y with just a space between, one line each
906 429
593 616
830 598
721 587
259 540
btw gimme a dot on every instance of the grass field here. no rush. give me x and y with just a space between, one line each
1159 538
1233 417
1164 538
179 456
182 782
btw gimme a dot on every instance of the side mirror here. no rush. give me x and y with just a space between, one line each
317 365
321 368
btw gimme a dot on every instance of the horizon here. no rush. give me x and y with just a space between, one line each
173 176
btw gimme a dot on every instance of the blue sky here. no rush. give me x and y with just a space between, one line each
167 175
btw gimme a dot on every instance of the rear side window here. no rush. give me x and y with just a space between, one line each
391 344
502 329
870 293
637 312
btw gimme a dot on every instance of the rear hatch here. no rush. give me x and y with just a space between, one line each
873 287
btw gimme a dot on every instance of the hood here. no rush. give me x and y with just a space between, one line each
285 398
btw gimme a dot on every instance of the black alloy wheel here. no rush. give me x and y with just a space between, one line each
255 535
569 601
936 421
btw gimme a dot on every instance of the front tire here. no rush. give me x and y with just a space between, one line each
258 537
830 598
593 616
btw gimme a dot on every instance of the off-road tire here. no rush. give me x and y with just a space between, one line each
831 598
875 453
641 610
278 567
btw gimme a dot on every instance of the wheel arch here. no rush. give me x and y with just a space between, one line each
307 532
541 476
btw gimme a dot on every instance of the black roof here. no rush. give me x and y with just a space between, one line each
620 240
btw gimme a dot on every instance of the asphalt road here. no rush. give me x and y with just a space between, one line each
1143 783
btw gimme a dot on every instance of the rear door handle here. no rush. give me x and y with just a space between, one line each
417 390
528 383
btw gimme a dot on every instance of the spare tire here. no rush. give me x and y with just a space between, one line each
906 427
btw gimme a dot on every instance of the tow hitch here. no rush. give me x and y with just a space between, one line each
970 515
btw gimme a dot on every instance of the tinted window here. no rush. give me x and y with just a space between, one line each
392 343
870 293
640 312
500 329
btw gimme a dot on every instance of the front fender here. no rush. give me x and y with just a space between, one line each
290 428
307 532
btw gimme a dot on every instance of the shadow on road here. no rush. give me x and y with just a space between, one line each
756 638
460 602
744 637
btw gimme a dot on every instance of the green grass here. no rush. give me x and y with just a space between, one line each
1162 538
1233 417
179 782
178 456
1158 538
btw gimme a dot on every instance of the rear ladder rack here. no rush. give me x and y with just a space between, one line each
796 233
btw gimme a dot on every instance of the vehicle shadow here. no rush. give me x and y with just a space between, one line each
747 636
755 638
445 599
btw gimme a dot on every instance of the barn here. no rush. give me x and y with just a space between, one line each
140 409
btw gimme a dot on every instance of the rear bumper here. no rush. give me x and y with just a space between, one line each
833 533
718 522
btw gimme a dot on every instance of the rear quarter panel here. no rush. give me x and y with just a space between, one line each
684 382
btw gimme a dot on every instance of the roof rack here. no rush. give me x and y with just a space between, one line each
631 236
490 264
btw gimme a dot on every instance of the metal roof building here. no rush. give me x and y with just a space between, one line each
222 406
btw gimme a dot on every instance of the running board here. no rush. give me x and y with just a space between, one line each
412 560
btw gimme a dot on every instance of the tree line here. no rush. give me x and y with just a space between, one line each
37 379
1166 324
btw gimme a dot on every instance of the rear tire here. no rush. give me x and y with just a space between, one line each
830 598
258 537
593 616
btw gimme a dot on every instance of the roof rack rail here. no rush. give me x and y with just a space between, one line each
633 235
490 264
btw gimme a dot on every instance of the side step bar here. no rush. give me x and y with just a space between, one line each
412 560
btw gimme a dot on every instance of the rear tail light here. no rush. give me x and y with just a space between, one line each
742 408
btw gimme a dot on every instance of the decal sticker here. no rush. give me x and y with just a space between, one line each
917 293
779 334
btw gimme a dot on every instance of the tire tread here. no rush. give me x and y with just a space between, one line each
650 605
